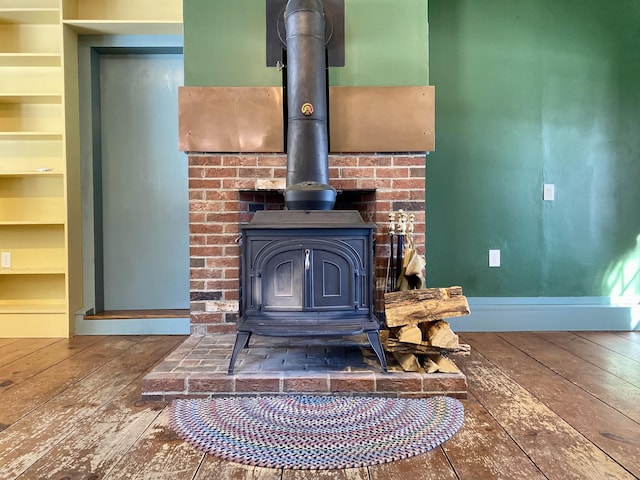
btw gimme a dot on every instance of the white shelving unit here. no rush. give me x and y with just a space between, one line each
40 211
33 220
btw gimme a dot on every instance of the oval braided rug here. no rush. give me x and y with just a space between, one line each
315 432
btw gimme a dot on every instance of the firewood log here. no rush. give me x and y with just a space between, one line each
439 334
411 307
410 334
393 345
408 361
429 365
444 364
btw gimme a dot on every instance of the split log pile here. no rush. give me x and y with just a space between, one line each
418 336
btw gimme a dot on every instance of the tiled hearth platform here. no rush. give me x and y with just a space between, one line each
198 368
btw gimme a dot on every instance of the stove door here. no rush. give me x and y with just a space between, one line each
309 278
331 278
283 282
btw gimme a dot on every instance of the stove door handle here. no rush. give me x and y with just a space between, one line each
307 264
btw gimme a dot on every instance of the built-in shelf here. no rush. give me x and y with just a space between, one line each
30 45
37 218
33 250
32 271
22 4
28 293
39 150
31 82
31 210
39 172
30 98
32 306
31 222
130 27
29 59
29 15
34 300
31 166
30 135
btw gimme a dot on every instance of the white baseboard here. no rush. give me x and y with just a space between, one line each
488 314
507 314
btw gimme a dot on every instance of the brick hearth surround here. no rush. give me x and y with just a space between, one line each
225 190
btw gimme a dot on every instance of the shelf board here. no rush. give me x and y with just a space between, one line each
32 306
30 60
42 165
30 15
45 171
37 81
30 222
31 135
32 271
30 98
126 27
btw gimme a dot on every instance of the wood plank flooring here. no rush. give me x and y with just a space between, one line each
561 405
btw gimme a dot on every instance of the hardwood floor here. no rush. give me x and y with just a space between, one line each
541 405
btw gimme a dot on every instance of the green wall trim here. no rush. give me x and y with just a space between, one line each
526 314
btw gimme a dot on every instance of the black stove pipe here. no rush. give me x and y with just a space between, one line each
307 136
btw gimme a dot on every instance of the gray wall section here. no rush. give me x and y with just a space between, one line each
531 92
145 214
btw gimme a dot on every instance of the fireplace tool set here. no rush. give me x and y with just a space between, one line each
404 266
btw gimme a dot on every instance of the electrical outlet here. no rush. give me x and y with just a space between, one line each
494 258
549 192
5 260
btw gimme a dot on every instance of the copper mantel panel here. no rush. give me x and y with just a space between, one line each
230 119
382 119
362 119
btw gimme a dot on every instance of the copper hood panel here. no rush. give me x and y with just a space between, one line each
230 119
361 119
382 119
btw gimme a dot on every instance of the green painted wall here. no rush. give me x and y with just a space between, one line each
386 43
531 92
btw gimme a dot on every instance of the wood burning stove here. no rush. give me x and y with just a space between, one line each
307 273
308 270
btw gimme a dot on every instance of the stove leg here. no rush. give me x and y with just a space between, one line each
242 340
374 340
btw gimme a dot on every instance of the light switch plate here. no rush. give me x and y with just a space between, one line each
494 258
5 260
549 192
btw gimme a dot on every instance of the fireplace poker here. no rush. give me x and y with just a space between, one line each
402 228
390 280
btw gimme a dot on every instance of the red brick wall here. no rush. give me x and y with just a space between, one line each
224 190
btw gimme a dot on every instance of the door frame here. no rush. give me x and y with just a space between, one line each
90 47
